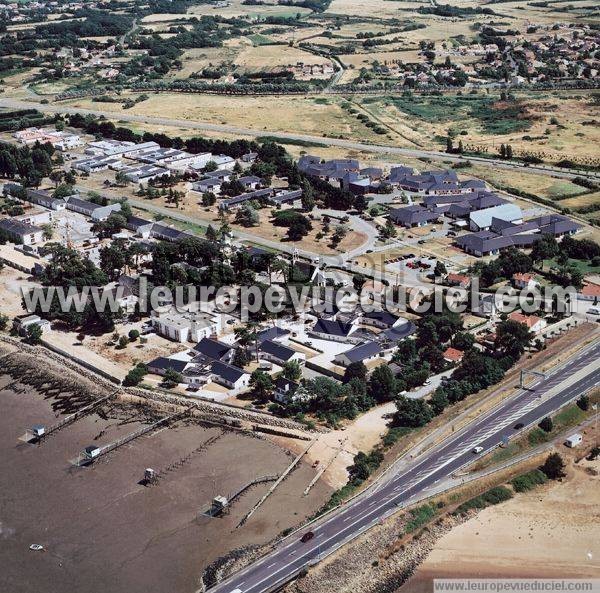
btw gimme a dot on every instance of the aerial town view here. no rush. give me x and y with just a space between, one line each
299 296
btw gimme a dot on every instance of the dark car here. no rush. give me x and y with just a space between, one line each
307 537
518 426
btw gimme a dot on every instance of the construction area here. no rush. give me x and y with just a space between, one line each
133 515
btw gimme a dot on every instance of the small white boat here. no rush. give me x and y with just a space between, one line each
36 547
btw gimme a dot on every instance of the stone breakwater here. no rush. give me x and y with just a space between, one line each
375 563
58 377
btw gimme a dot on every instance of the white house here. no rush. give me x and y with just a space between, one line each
364 353
280 354
22 232
230 376
187 327
21 324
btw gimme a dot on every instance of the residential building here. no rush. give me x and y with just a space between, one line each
94 211
382 319
280 354
21 232
461 280
453 355
22 323
362 353
590 292
230 376
42 198
145 173
210 184
140 226
118 148
534 323
523 280
337 331
210 349
187 327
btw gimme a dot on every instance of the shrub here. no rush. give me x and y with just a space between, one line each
554 467
529 480
491 497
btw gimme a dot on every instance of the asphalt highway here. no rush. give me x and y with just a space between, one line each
404 483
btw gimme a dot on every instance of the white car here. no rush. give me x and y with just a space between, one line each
593 311
477 450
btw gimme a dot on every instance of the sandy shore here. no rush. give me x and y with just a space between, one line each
552 532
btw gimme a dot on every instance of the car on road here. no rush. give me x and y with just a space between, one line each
518 426
477 450
307 537
422 242
451 233
593 311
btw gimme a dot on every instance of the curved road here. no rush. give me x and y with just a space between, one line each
405 484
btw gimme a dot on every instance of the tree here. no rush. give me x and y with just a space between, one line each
211 234
48 231
241 358
123 341
262 385
308 196
554 467
3 321
439 401
338 235
114 259
134 334
440 269
583 403
463 341
172 378
34 334
292 370
546 248
412 413
389 230
355 370
248 336
135 375
512 338
247 216
546 424
62 191
382 384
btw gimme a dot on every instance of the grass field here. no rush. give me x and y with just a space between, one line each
585 267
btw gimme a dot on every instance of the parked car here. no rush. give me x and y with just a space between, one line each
477 450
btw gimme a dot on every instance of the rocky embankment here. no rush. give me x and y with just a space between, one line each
380 561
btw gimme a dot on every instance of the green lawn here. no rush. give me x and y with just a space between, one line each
584 266
258 39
